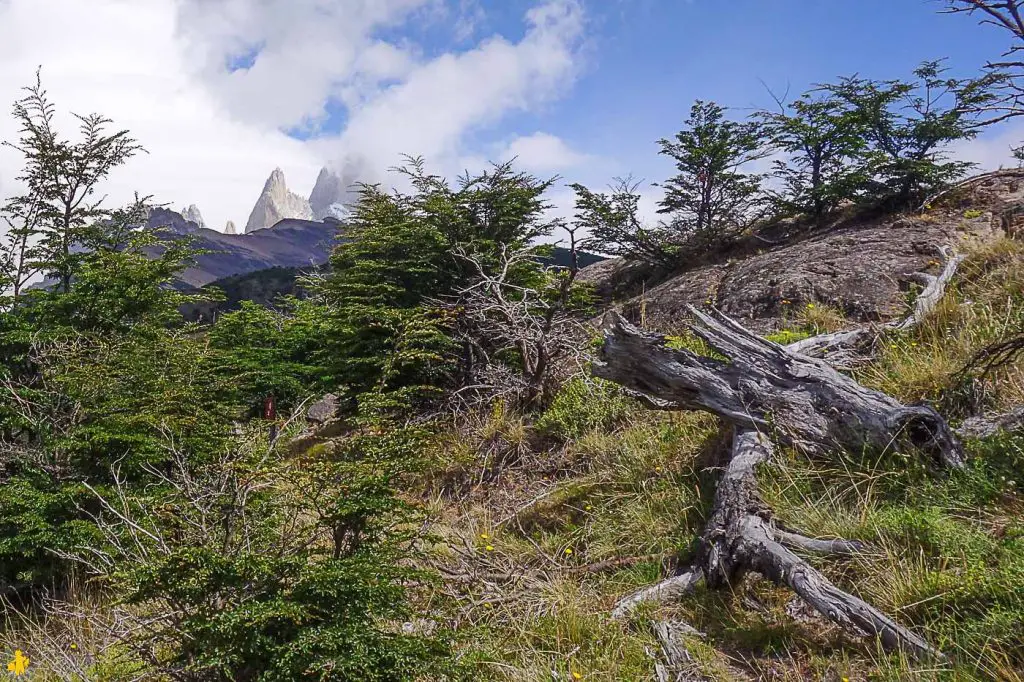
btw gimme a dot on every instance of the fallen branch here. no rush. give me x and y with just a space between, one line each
741 537
678 665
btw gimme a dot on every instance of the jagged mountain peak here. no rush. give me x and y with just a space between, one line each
192 214
277 203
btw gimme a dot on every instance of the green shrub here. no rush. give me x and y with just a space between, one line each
583 405
278 570
972 213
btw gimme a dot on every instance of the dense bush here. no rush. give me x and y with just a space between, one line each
583 405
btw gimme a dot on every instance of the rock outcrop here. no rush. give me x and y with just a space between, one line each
193 215
230 228
275 204
863 269
331 196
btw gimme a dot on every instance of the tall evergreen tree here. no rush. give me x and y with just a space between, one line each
50 222
712 197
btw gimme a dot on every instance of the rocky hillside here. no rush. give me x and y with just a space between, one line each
862 268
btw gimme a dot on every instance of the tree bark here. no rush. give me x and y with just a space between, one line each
760 385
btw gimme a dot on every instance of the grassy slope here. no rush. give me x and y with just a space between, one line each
525 511
526 508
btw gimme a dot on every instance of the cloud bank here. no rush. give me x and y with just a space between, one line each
220 92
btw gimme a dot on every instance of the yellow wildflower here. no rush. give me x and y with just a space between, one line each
489 548
568 551
576 675
18 666
484 536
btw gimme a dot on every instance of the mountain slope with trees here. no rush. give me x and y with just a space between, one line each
433 466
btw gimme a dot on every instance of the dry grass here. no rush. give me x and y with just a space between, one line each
946 554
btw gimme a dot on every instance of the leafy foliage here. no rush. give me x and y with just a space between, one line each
707 203
825 151
908 124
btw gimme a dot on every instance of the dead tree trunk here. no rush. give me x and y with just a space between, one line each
761 388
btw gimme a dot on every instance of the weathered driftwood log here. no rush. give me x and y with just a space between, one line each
740 536
761 385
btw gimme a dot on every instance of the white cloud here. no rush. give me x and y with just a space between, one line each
543 153
991 150
160 69
431 110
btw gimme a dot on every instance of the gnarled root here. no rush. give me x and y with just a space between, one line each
741 537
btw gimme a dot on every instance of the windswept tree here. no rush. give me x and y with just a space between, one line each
612 221
709 201
50 223
712 197
825 148
909 125
400 257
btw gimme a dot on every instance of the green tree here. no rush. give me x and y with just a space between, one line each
612 221
825 146
51 221
711 198
908 125
709 201
253 567
398 261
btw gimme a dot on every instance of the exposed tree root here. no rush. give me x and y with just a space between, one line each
763 388
741 537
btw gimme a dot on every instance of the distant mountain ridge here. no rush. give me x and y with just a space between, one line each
291 243
266 286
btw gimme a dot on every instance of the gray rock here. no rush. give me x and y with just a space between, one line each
863 271
276 203
333 193
323 410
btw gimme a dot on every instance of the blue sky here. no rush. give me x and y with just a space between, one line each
220 92
644 62
650 62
